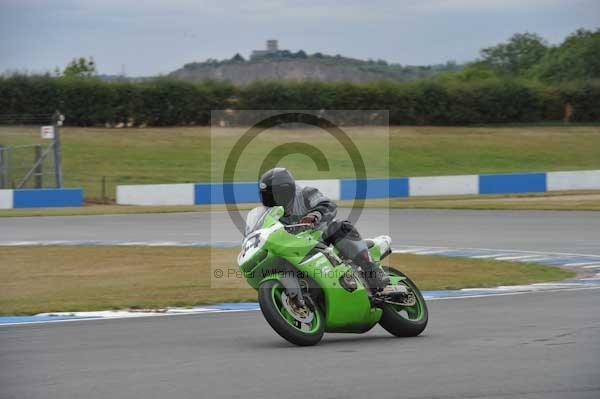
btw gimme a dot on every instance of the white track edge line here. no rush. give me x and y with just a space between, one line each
254 310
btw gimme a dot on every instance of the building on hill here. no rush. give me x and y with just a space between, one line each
272 47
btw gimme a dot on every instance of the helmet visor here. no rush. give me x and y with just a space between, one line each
281 194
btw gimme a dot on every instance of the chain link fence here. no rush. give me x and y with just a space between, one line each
29 161
27 166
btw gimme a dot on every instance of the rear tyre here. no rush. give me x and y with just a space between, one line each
276 308
405 321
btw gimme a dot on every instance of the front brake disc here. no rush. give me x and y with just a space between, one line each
300 313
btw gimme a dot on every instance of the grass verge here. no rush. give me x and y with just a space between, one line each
556 201
187 154
46 279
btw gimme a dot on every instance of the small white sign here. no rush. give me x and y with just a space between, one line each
48 132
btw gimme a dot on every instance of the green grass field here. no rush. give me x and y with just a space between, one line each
183 154
46 279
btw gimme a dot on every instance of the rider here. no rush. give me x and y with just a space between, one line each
308 205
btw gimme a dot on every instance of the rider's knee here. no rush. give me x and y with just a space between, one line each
339 230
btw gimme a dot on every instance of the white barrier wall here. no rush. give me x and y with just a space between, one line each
213 193
443 185
329 187
576 180
156 194
6 199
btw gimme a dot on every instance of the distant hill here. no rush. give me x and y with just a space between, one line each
285 65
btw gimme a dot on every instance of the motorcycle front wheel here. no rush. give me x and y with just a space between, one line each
303 326
404 320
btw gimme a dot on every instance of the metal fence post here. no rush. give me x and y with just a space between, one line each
39 168
57 121
3 167
104 199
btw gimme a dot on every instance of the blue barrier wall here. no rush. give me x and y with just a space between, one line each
247 192
373 188
47 197
399 187
512 183
216 193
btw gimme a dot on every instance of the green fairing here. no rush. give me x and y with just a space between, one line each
344 311
375 252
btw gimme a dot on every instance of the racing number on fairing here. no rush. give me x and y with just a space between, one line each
250 242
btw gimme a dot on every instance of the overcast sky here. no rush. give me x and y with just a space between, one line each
157 36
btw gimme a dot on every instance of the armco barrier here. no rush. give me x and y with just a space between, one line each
41 198
347 189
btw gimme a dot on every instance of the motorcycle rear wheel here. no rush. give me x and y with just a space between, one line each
271 295
405 321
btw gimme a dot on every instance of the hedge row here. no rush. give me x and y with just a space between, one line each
161 102
92 102
436 103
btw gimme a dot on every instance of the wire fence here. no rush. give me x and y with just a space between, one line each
27 166
26 160
24 119
100 189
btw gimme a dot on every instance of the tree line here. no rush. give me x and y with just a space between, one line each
529 56
166 102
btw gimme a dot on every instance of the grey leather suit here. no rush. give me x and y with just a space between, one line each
340 233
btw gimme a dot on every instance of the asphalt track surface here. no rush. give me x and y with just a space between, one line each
574 232
539 345
534 345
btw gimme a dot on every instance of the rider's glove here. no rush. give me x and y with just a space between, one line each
312 218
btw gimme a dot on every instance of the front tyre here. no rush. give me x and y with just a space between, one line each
401 320
300 326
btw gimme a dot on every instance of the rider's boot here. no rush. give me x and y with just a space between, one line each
374 275
376 278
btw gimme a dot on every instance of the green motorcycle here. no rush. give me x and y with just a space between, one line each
306 289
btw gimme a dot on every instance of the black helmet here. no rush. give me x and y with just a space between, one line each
277 187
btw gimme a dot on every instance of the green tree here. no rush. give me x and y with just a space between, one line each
577 58
521 52
238 58
474 71
80 67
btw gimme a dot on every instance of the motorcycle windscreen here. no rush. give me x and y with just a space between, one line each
255 218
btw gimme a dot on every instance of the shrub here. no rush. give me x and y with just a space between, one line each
168 102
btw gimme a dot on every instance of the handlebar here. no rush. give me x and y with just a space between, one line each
298 227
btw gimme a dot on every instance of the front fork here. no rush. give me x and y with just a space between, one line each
292 287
